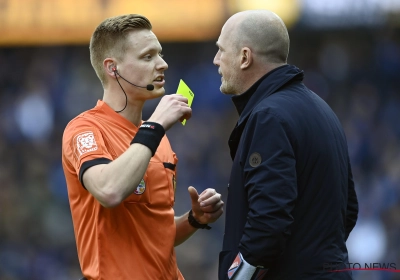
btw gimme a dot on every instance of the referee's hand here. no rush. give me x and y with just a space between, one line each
206 207
172 108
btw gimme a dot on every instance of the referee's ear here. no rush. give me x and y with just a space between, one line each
110 67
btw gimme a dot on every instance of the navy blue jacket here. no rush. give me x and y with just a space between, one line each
291 200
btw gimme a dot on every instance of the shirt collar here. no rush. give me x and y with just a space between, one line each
265 86
106 109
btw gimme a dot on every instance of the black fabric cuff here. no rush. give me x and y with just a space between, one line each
87 164
150 135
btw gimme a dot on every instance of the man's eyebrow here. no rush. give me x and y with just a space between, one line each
151 49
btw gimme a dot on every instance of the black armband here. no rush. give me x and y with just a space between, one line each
150 135
196 224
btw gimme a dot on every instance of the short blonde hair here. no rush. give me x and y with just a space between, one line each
109 39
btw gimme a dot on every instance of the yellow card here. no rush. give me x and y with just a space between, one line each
185 91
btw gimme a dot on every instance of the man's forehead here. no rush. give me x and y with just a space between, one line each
144 39
225 37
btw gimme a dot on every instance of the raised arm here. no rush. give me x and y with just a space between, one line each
111 183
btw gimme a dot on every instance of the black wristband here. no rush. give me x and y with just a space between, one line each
150 135
196 224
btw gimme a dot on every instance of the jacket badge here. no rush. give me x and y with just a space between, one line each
255 159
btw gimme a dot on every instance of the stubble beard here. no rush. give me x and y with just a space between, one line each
230 87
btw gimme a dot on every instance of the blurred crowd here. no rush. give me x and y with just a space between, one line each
357 72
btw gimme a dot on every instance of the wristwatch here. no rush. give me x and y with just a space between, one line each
196 224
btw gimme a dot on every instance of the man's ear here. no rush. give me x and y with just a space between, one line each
110 66
246 58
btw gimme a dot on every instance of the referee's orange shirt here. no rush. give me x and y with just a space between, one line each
134 240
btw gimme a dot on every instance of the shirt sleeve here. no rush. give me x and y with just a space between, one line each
84 146
270 180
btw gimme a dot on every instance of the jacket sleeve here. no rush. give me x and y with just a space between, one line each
269 167
352 204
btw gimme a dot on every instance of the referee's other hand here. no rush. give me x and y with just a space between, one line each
206 207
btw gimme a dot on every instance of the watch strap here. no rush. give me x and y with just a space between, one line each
196 224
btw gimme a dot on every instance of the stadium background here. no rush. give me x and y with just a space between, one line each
349 50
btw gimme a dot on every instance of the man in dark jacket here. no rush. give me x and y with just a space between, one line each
291 203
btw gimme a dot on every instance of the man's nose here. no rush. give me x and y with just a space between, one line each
216 59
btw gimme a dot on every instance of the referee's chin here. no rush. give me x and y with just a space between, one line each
157 92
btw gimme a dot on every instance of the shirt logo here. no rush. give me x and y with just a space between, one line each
255 159
85 142
140 188
147 126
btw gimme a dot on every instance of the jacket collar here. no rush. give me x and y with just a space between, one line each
264 87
